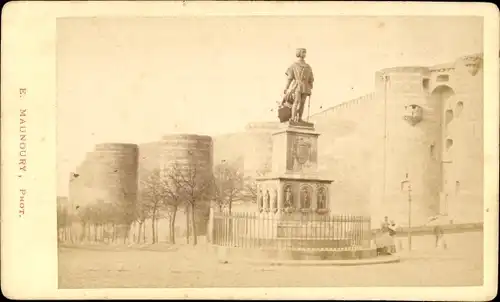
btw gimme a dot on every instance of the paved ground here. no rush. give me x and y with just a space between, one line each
187 266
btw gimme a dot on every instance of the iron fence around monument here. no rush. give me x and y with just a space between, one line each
289 231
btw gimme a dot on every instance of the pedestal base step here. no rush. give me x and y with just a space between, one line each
236 254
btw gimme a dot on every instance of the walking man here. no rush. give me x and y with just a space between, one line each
437 221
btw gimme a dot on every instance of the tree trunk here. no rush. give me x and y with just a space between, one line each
102 232
139 226
172 226
143 232
230 218
193 224
125 233
88 233
82 234
153 220
156 230
187 223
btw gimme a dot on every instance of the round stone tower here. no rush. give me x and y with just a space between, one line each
407 129
258 154
114 167
187 149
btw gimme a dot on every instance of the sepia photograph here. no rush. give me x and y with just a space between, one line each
242 150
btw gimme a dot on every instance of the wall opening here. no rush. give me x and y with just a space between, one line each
459 108
449 144
442 78
457 187
448 116
425 83
431 150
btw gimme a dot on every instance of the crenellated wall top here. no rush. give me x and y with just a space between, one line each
406 69
116 147
262 126
346 105
182 136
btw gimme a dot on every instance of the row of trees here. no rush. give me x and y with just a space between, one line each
163 193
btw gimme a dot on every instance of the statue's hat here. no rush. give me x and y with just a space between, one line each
299 51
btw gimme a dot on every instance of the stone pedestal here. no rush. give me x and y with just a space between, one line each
293 184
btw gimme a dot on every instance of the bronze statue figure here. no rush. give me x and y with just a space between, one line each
298 87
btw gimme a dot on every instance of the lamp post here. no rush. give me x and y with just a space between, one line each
407 181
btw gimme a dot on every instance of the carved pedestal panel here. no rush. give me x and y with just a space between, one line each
283 194
295 149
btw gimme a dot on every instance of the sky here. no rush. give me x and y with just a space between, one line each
133 80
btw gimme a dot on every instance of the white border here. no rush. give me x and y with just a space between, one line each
29 252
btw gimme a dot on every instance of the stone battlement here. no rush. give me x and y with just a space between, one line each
346 105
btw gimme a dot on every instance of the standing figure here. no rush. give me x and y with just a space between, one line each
306 199
259 200
275 201
384 240
299 84
321 202
437 222
288 198
267 203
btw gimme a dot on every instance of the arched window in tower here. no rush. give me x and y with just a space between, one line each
431 150
449 144
459 108
448 116
457 187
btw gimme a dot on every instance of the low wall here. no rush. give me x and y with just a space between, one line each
231 253
464 242
447 228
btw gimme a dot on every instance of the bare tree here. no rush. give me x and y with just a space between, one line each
85 215
141 214
63 221
228 185
196 187
154 193
175 194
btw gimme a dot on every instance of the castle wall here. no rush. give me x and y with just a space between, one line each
407 146
258 148
108 174
461 97
187 149
148 159
115 173
228 148
344 153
